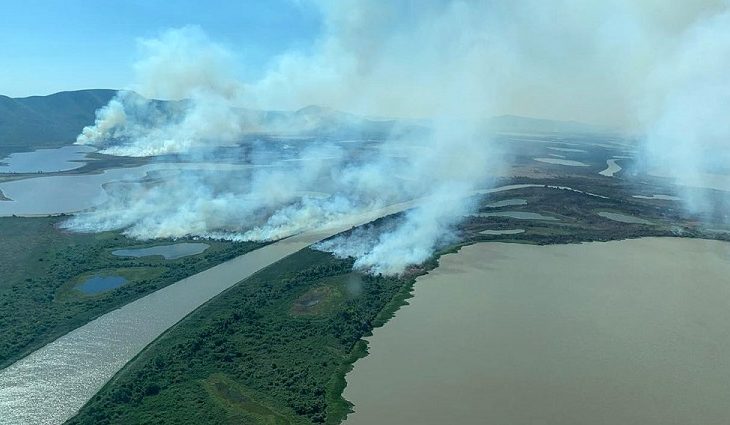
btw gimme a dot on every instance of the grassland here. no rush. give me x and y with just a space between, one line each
40 265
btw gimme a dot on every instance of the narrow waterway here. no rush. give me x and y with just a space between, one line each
51 384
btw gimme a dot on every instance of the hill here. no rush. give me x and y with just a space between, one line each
518 124
34 122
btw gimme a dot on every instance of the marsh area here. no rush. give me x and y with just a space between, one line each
45 160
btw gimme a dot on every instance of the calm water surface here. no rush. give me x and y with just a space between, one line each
611 168
659 197
502 232
46 160
520 215
98 284
566 149
568 162
631 332
623 218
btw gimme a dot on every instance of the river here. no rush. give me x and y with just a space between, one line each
51 384
625 332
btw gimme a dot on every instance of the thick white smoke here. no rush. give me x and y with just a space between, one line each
181 65
656 69
687 111
442 165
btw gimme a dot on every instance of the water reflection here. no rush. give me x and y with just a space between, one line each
45 160
98 284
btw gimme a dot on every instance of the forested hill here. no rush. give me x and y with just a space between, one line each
29 123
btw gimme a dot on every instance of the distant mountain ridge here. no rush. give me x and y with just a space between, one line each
55 120
519 124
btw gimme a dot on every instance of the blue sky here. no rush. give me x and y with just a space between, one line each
55 45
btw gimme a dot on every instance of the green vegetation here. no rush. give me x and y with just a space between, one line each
271 350
47 121
40 265
275 348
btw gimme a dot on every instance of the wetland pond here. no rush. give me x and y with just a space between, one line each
46 160
557 161
502 232
97 284
169 252
623 218
659 197
519 215
611 168
72 193
567 149
629 332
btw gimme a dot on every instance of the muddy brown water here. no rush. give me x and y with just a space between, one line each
626 332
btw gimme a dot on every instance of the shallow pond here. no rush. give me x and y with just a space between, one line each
623 218
97 284
502 232
627 332
506 203
45 160
169 252
612 168
557 161
659 197
566 149
519 215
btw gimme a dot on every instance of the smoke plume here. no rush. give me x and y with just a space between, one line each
657 71
687 112
182 65
447 78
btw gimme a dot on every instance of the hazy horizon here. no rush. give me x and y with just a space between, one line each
606 64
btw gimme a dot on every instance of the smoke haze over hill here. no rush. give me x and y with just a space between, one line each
657 71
